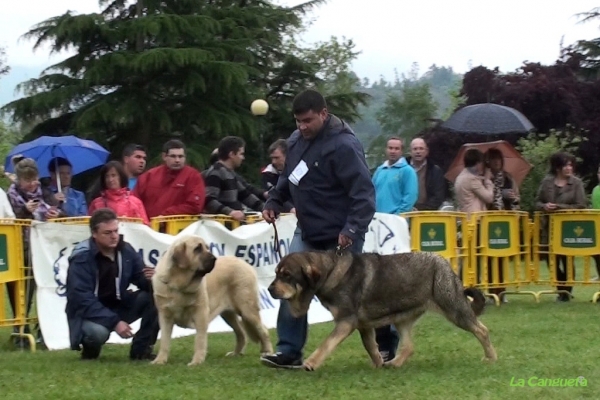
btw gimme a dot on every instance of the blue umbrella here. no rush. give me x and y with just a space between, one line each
81 153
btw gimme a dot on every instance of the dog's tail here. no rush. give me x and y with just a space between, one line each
476 298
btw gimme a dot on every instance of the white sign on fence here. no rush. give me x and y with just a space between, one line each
52 243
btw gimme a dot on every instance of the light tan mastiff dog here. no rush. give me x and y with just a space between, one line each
192 286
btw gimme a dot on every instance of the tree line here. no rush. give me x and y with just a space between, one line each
148 70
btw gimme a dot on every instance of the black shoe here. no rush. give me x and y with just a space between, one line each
280 360
89 353
563 298
142 356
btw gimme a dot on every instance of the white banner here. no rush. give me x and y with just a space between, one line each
52 244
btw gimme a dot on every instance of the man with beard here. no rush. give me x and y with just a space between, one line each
173 188
327 179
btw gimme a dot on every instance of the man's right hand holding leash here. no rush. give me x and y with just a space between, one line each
269 216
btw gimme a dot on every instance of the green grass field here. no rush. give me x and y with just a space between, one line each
545 340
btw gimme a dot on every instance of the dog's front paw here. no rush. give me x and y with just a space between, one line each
489 360
309 366
159 361
378 363
233 354
196 360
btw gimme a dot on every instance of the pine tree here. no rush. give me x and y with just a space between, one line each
150 70
586 52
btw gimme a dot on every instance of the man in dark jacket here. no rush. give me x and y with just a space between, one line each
101 269
432 186
327 179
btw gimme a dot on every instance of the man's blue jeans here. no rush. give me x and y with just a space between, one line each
292 331
142 306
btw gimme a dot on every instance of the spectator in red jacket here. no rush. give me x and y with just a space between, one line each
116 195
172 188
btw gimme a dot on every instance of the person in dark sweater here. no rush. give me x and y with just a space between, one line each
225 193
101 269
214 157
270 174
432 186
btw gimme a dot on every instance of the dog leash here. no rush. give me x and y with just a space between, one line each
339 250
277 245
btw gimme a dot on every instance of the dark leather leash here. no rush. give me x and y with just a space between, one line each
277 244
339 250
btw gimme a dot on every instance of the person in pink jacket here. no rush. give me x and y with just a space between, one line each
116 195
473 191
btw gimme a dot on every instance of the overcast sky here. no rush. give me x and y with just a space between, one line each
390 34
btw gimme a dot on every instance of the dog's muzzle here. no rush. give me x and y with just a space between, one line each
199 274
273 292
210 264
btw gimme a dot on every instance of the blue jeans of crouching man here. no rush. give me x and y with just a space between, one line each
95 335
292 331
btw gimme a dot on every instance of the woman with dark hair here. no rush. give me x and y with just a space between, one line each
115 194
506 190
559 190
506 197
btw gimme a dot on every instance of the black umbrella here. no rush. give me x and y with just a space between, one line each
488 119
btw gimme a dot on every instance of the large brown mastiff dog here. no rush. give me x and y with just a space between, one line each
367 291
191 287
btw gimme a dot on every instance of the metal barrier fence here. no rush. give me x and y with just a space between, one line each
16 279
565 236
505 250
86 220
499 252
174 224
445 233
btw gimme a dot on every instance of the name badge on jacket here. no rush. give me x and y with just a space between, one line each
298 173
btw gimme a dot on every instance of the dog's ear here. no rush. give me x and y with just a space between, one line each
178 255
311 273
